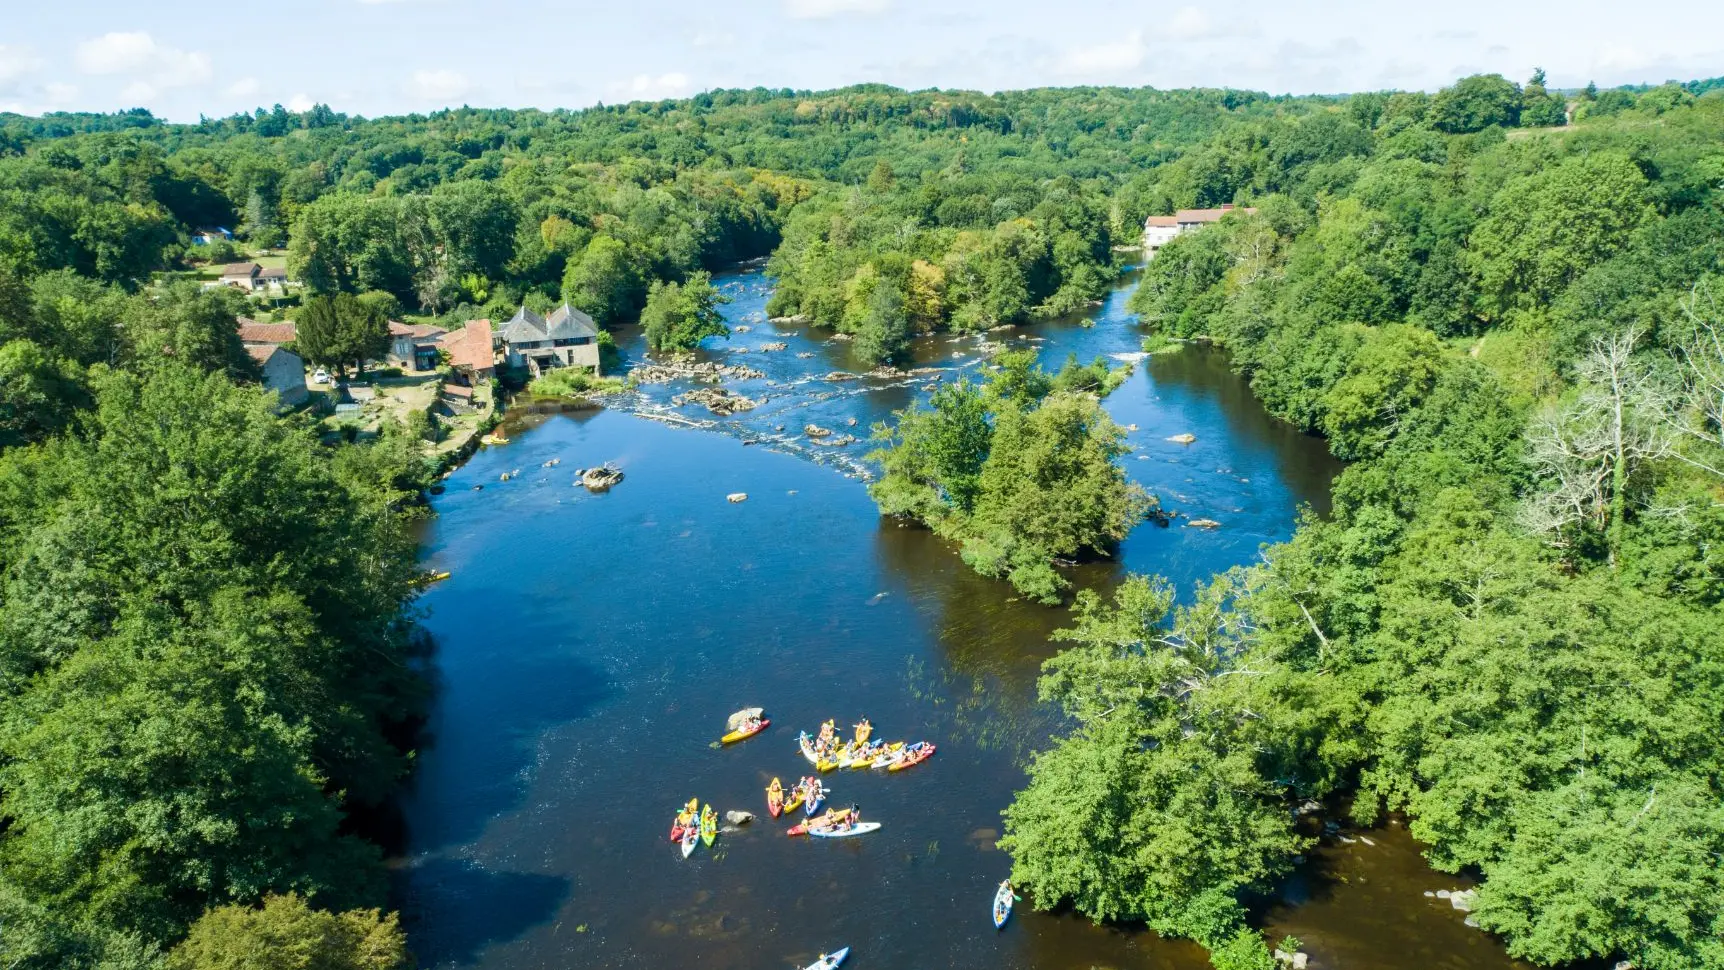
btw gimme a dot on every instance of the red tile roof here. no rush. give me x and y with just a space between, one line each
1161 221
252 332
456 390
470 346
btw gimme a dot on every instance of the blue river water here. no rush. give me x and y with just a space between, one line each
590 646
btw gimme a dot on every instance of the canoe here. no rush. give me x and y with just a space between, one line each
738 735
1003 904
708 825
913 758
845 831
829 961
690 836
775 798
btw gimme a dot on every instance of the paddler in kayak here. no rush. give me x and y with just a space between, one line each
775 797
828 732
863 731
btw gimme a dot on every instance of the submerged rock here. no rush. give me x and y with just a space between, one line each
1204 524
1184 439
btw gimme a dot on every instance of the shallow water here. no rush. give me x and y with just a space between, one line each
590 647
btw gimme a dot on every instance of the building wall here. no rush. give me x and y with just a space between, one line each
1155 237
284 374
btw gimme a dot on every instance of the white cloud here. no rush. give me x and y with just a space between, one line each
300 103
648 87
138 92
136 54
1106 58
1192 23
441 85
59 94
821 9
16 62
245 87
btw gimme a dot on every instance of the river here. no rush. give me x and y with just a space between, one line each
589 647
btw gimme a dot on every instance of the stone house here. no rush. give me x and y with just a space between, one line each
472 351
565 338
283 373
413 346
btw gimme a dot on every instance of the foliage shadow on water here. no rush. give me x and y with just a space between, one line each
454 908
494 742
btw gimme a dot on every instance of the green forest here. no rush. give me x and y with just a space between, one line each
1500 303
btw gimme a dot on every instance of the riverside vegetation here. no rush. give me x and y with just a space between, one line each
1508 630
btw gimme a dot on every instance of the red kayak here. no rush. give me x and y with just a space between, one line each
800 828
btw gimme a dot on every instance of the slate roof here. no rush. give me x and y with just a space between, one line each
564 323
241 269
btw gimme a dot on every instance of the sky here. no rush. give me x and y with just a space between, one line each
376 57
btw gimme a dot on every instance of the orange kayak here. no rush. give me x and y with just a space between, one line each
775 798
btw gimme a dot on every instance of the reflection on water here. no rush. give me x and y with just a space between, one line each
590 646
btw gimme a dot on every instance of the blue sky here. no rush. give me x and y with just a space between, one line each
377 57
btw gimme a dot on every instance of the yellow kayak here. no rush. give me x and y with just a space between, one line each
746 731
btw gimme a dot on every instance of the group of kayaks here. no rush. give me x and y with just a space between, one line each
694 825
826 751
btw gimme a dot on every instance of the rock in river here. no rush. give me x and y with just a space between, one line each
735 497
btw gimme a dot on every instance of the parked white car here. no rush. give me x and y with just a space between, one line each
320 376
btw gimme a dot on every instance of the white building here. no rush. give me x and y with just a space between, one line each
1158 231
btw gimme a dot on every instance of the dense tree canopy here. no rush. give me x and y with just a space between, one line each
1510 628
1498 300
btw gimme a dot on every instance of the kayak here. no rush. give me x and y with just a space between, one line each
845 831
775 798
800 828
815 800
708 825
1003 904
912 758
690 836
806 743
829 961
746 732
863 731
